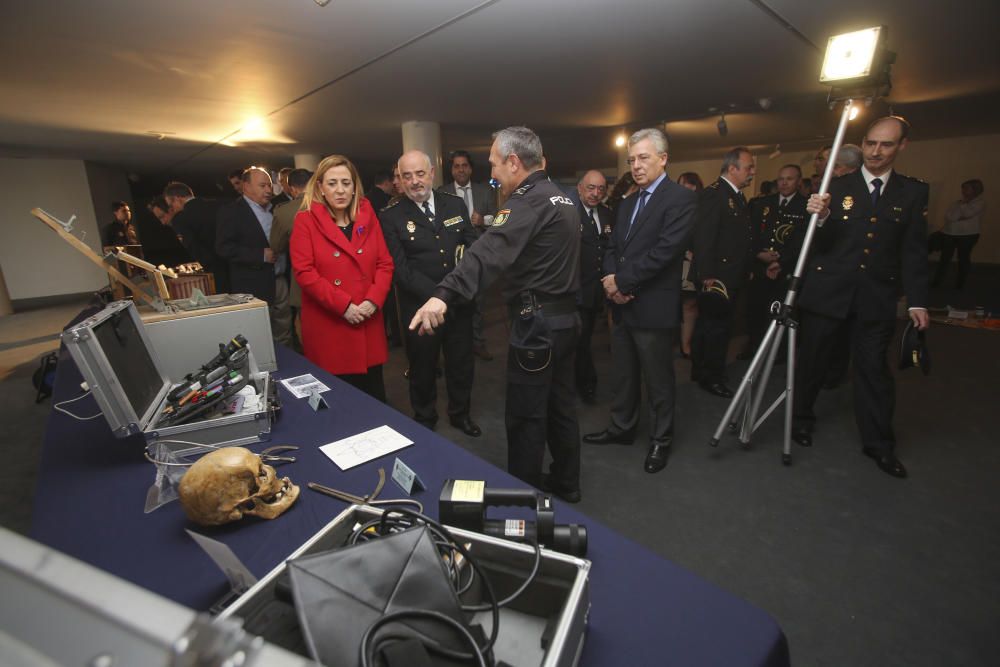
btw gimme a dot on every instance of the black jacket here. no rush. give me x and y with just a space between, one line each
776 229
592 247
240 241
722 236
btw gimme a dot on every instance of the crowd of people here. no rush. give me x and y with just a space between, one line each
345 271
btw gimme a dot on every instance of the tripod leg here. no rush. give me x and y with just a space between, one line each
744 388
786 452
762 382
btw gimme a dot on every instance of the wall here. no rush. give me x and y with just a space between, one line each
36 262
107 185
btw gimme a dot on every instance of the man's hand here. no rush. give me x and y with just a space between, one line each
477 219
773 269
269 256
622 299
818 204
367 309
920 318
610 286
707 282
768 256
429 317
353 315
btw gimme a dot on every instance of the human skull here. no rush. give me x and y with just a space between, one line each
230 483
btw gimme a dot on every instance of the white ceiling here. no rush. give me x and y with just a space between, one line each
90 79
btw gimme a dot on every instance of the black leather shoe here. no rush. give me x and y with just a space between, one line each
656 459
467 426
717 389
569 495
802 437
609 437
886 462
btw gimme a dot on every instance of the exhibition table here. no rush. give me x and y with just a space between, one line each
92 488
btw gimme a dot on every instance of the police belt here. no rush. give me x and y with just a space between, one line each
559 311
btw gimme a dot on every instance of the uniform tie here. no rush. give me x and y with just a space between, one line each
428 212
783 205
593 222
876 191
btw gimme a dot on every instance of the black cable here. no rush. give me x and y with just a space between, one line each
513 596
477 653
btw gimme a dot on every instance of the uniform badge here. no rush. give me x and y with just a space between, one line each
410 226
453 221
607 229
897 209
767 209
848 203
459 253
501 217
732 205
782 232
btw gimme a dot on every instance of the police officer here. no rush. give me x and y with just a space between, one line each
427 233
595 228
721 249
871 246
776 221
535 242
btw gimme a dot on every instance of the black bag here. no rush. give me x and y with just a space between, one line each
45 376
530 336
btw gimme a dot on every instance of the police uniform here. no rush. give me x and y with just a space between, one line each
535 243
594 233
775 227
722 242
862 258
424 251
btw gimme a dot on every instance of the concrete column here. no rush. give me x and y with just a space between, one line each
420 135
307 161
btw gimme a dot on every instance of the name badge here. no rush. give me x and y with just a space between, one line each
453 221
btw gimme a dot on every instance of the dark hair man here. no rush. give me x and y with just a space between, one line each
871 246
642 276
120 231
721 254
281 234
194 222
535 243
381 191
236 180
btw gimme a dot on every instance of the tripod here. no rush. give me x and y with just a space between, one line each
750 393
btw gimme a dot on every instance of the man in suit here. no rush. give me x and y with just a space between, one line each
642 267
480 201
120 231
595 227
242 233
871 246
721 250
283 196
194 222
776 219
380 192
281 234
427 233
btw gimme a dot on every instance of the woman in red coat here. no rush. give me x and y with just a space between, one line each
344 268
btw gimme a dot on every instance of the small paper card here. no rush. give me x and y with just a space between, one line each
404 476
301 386
365 446
236 572
316 401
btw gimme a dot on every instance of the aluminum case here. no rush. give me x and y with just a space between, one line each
127 379
546 625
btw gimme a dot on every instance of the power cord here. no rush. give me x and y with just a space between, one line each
58 406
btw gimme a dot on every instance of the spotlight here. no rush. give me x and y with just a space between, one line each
722 126
854 112
856 64
765 103
620 140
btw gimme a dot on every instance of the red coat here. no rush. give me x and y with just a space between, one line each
335 272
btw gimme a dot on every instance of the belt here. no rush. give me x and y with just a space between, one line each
550 306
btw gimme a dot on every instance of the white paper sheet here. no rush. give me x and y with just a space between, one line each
364 447
303 385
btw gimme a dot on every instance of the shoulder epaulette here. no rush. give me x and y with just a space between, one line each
450 194
392 202
521 190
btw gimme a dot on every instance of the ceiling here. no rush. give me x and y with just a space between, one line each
165 89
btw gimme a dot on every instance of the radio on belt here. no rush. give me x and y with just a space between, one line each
463 504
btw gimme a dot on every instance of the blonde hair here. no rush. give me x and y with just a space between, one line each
313 193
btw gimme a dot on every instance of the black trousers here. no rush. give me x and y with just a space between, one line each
874 387
710 342
371 382
643 354
454 338
541 408
964 246
586 374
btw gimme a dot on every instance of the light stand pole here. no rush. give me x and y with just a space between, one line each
856 60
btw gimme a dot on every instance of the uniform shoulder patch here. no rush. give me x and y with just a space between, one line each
501 217
521 190
445 192
392 202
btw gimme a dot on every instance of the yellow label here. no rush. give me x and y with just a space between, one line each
453 221
468 491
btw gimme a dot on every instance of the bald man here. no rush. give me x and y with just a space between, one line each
427 233
595 227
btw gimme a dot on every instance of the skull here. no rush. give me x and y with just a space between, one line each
230 483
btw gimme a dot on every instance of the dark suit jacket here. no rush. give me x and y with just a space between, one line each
773 229
592 247
862 257
378 198
240 241
722 236
196 225
424 252
647 262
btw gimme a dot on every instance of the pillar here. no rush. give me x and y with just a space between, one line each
420 135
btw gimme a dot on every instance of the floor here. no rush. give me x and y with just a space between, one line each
857 568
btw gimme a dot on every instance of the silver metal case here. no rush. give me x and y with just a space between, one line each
556 606
121 368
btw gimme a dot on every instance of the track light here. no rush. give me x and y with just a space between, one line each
722 126
620 140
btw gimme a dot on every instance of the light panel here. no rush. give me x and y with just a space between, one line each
851 55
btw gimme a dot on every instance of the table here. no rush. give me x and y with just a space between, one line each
92 487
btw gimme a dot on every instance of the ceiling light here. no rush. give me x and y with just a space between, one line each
322 3
255 124
722 126
851 55
620 140
855 110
